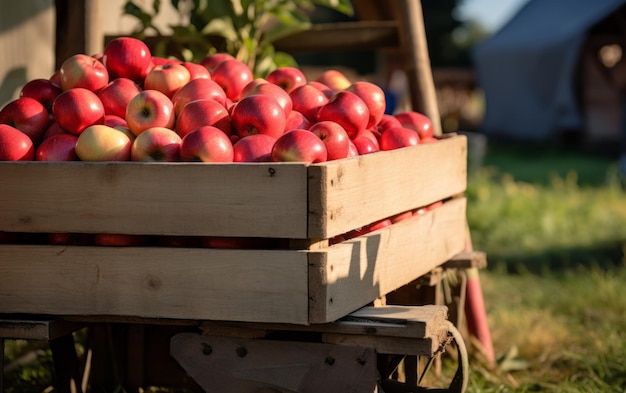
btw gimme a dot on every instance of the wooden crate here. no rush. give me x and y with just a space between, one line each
310 282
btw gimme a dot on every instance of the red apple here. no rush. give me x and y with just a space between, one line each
76 109
282 97
401 216
127 57
206 144
380 224
116 95
83 71
156 144
27 115
296 120
232 75
115 121
258 114
308 100
198 89
60 147
253 148
347 109
149 108
366 143
398 137
417 122
374 98
120 240
43 90
196 70
386 122
287 78
15 145
204 112
60 238
158 60
334 79
53 129
211 61
103 143
352 151
328 92
167 78
334 137
55 78
299 146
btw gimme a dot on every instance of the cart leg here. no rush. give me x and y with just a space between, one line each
66 364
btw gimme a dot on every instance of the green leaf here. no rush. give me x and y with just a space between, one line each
156 6
222 27
286 22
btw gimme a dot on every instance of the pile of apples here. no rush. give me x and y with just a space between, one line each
126 104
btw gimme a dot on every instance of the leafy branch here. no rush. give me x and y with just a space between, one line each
247 29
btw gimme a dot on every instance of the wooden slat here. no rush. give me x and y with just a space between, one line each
378 263
467 259
344 36
137 198
355 192
35 329
252 285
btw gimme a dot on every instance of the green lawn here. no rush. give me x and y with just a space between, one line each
553 224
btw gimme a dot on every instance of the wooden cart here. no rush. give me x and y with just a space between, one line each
293 315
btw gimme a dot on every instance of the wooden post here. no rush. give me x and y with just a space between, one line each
78 28
417 61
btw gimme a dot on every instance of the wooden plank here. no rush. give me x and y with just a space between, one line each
220 364
35 329
467 259
248 200
355 192
342 36
388 345
393 321
350 274
246 285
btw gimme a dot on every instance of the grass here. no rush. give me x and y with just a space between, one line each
553 224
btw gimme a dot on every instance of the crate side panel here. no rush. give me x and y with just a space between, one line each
348 194
352 274
157 198
238 285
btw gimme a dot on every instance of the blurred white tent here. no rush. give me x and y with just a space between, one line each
555 67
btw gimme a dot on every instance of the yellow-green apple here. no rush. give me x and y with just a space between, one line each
232 75
27 115
296 120
206 144
416 121
347 109
334 79
167 78
374 98
43 90
149 108
398 137
76 109
253 148
200 113
84 71
127 57
308 100
211 61
156 144
60 147
198 89
15 145
258 114
334 137
103 143
282 97
196 70
299 146
116 95
366 143
287 78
